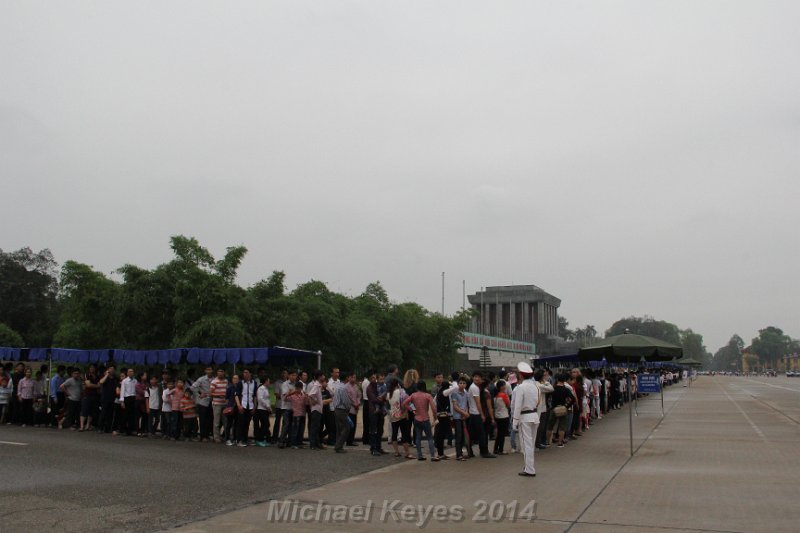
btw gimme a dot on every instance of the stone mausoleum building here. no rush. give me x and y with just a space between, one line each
511 323
521 312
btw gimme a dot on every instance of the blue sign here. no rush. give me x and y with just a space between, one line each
648 382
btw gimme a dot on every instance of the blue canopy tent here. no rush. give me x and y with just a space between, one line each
278 355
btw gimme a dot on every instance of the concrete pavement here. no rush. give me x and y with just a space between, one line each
722 460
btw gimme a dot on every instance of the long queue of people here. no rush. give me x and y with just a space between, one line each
322 410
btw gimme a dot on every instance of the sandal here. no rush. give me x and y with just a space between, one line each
397 455
462 458
409 456
434 459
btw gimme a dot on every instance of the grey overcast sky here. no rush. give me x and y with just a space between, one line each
628 157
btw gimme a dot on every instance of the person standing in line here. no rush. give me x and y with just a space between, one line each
153 404
245 403
141 404
424 409
327 435
108 394
298 400
72 389
355 397
25 397
166 409
6 390
459 409
542 379
398 418
90 399
189 415
57 395
501 403
525 416
286 426
218 389
202 396
263 410
341 411
365 415
477 417
375 401
127 394
231 410
315 411
280 407
443 415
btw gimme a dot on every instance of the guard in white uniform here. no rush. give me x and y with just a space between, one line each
525 418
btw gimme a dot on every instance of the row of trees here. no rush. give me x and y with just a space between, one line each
767 350
194 300
691 342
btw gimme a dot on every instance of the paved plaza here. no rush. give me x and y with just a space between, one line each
723 459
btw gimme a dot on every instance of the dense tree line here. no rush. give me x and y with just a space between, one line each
194 300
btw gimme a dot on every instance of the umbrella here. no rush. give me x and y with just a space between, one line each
626 348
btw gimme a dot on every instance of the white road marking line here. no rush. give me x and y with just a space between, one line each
13 443
752 424
778 386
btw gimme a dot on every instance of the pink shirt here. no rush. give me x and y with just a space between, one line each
25 388
298 403
422 404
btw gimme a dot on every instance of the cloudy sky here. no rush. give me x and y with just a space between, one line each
629 157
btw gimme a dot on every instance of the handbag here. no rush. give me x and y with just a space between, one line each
560 410
227 411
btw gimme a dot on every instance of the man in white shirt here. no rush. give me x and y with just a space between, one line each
286 387
364 412
127 394
263 409
246 406
315 411
477 433
525 417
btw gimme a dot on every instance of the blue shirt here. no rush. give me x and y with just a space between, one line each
460 399
55 384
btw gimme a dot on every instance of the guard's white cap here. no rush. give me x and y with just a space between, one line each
525 368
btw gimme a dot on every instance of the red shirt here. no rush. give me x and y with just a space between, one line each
423 402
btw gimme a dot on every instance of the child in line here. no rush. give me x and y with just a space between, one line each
166 409
189 412
6 389
297 399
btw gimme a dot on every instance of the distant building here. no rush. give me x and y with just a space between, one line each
522 312
513 324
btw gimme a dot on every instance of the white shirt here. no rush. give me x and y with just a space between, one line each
364 385
154 397
473 393
263 399
544 388
527 399
247 393
127 388
166 403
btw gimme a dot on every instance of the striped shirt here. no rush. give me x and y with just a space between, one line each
188 407
217 389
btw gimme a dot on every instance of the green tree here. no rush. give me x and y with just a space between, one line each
563 329
729 356
28 291
10 338
89 301
692 344
647 325
771 345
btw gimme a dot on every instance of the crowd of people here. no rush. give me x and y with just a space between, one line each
318 410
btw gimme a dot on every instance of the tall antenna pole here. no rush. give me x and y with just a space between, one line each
442 293
463 294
